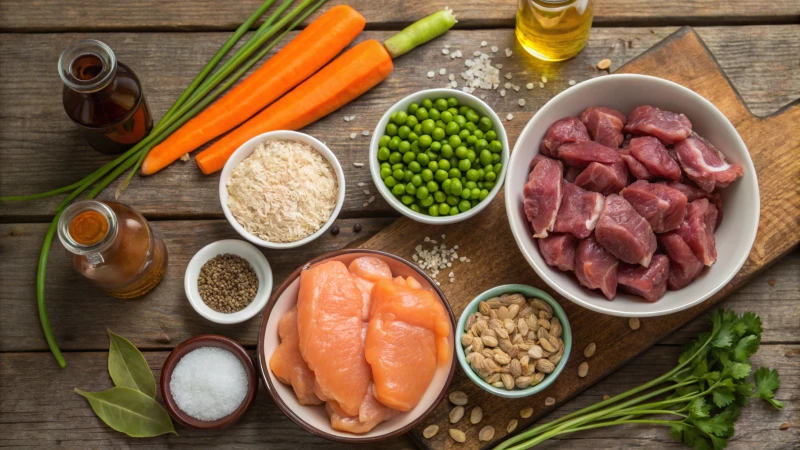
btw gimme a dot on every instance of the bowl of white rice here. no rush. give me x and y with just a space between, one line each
282 189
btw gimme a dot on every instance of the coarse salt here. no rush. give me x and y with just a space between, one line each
509 75
521 102
529 86
572 82
484 43
353 135
494 48
499 66
509 52
208 383
502 92
365 133
445 51
509 116
442 71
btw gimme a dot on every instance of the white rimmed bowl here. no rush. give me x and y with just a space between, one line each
734 237
245 150
243 249
463 99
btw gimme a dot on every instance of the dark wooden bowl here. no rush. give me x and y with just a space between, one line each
208 340
297 416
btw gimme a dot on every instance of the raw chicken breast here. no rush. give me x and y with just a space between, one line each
543 193
705 165
564 131
606 179
697 230
604 125
654 156
368 270
370 415
407 337
625 233
684 267
288 365
558 250
650 283
596 268
329 319
662 206
581 154
579 211
637 169
693 193
667 126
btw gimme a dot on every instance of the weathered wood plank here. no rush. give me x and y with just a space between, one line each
80 315
41 150
60 15
39 409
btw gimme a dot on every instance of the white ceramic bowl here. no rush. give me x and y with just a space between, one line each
245 150
463 99
313 418
734 237
257 261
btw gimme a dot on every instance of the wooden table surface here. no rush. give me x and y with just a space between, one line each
166 43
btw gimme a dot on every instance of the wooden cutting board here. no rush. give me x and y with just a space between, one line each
486 239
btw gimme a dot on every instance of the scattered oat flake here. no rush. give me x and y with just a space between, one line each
365 133
634 323
604 64
516 88
451 77
476 53
509 116
347 118
360 183
454 84
544 79
484 43
366 191
431 74
358 164
509 52
571 82
541 85
549 401
521 102
509 75
442 71
494 48
445 51
353 135
185 157
499 66
606 397
502 92
365 205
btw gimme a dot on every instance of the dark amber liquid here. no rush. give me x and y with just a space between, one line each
133 264
88 228
114 118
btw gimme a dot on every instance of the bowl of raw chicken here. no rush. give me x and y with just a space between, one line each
632 196
357 346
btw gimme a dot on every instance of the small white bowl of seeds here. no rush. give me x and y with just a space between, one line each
228 281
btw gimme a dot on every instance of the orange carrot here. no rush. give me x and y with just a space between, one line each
302 57
348 76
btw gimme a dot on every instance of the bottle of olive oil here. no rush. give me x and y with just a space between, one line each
554 30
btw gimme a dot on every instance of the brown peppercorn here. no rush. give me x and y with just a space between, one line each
227 283
357 227
334 230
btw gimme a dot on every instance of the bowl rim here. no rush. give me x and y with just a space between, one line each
607 307
258 260
528 291
193 343
374 167
288 135
263 363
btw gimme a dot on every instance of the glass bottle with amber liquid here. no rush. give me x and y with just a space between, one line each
553 30
103 97
113 246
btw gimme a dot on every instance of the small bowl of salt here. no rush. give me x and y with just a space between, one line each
208 382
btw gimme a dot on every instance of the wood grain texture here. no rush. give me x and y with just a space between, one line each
44 412
684 59
762 62
68 15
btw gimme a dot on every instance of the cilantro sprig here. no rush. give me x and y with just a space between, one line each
699 400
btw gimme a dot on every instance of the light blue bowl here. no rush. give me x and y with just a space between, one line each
528 292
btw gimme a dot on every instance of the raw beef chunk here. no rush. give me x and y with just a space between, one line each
625 233
572 173
564 131
654 156
538 158
649 283
662 206
604 125
693 193
581 154
697 230
637 169
558 250
606 179
705 165
665 125
543 193
684 267
596 268
579 211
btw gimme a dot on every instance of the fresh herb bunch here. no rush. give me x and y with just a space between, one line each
700 399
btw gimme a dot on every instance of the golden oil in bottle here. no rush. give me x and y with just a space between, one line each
554 30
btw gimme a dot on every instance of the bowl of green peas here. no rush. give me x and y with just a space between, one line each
439 156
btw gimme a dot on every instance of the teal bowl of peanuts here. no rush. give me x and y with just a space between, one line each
439 156
513 340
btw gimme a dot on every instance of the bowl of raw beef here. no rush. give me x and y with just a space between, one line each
616 193
357 346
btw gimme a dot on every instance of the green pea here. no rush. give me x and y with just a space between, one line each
440 175
392 116
495 146
471 140
384 141
407 199
414 167
464 205
485 157
463 109
464 134
454 173
426 202
411 189
423 159
498 168
404 147
440 104
415 146
394 143
434 210
412 121
452 128
472 175
424 141
454 140
407 176
453 111
456 187
416 180
478 134
444 208
391 129
432 186
488 184
481 174
475 194
413 137
485 124
427 126
484 194
466 193
461 152
444 164
395 157
421 114
452 102
491 176
481 145
434 113
490 135
422 192
472 116
480 185
408 157
399 174
460 120
438 134
464 165
385 172
403 132
399 189
435 147
471 127
439 196
427 175
400 118
390 181
447 186
454 210
495 158
446 117
414 207
398 165
473 203
453 200
447 150
383 154
386 165
431 155
470 184
471 156
412 108
427 103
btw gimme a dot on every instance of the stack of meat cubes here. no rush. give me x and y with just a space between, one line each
627 201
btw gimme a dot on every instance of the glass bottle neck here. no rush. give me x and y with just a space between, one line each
88 228
87 66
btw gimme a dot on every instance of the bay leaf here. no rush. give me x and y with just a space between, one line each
130 411
127 366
